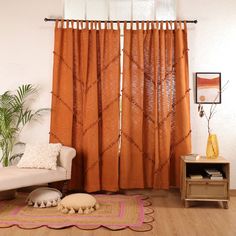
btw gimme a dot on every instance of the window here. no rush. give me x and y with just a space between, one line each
120 9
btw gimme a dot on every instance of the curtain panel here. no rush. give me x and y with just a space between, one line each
155 121
85 101
155 105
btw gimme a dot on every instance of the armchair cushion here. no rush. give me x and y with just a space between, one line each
42 156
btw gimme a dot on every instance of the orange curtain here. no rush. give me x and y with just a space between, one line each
85 101
155 106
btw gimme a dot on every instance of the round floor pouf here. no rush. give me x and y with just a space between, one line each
44 197
81 203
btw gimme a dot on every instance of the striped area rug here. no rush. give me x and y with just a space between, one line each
116 212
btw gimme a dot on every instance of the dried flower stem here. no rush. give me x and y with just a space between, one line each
212 108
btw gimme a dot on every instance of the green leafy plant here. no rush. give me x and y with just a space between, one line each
14 115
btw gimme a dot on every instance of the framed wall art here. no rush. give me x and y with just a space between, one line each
208 87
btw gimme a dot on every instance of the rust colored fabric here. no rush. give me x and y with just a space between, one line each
155 106
85 101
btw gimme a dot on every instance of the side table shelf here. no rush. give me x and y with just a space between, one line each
204 189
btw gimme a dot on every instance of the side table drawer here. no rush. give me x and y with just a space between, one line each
207 189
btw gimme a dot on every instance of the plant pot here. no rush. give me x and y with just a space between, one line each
212 150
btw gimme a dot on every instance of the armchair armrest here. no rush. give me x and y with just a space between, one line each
65 159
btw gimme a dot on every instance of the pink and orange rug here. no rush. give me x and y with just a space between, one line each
116 212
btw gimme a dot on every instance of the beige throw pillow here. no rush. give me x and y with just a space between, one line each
81 203
44 197
42 156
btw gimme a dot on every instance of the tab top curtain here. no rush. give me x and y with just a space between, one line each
85 101
155 105
155 123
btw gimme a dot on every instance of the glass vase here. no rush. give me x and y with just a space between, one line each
212 150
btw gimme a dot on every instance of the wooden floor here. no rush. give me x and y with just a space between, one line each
171 218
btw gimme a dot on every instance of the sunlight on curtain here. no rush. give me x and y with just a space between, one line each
165 10
143 10
120 9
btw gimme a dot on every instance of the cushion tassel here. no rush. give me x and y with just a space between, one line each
86 211
72 211
30 203
54 203
42 205
80 211
59 207
65 210
35 204
49 204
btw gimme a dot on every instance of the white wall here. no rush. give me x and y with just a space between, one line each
26 53
26 46
212 44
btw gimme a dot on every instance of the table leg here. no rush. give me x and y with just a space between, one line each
225 205
186 204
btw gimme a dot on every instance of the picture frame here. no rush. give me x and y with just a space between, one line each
208 87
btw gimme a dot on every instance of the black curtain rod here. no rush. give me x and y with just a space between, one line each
187 21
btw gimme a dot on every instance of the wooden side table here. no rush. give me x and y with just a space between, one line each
204 189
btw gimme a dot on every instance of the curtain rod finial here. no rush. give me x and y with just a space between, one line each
45 19
195 21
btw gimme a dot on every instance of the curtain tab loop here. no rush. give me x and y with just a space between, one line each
180 25
137 25
105 24
125 25
148 25
62 24
99 25
131 25
161 26
176 25
152 25
167 25
185 25
87 25
118 25
157 24
67 24
56 24
142 25
111 24
92 25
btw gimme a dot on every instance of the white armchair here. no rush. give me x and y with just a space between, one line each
13 177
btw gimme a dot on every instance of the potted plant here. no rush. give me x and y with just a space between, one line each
14 115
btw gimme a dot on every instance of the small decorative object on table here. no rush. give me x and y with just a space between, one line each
212 150
192 157
208 91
